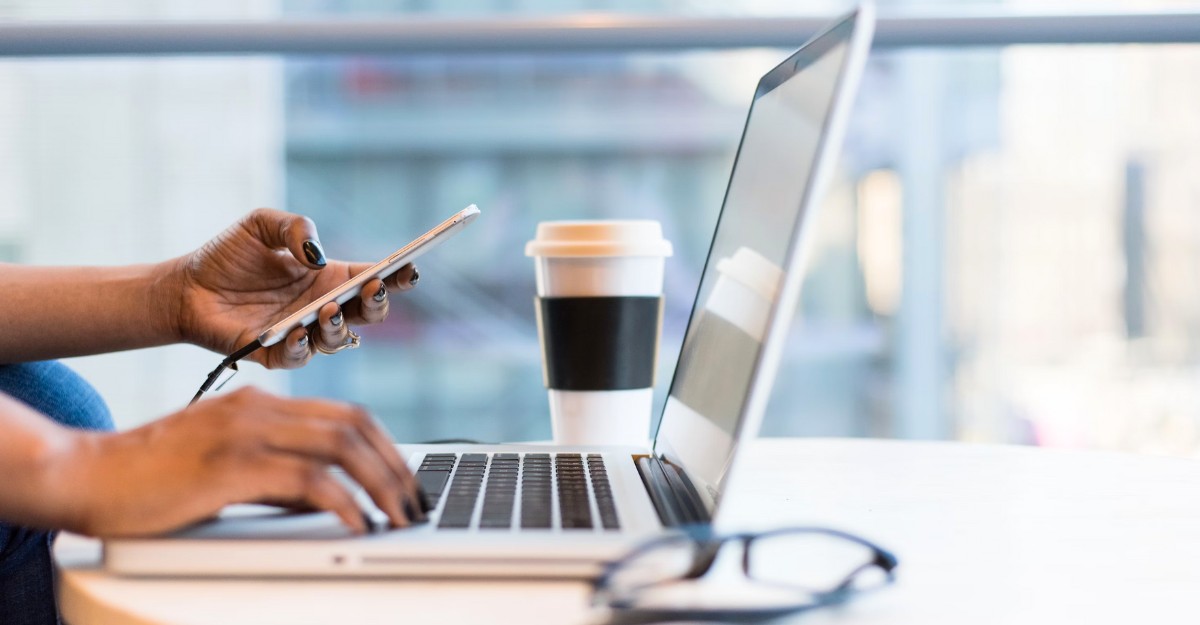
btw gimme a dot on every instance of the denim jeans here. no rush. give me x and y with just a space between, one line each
26 566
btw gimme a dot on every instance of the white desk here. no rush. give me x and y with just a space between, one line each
985 534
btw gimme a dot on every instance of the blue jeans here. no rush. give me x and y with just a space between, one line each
26 565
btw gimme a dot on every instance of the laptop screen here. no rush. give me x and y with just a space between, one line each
765 205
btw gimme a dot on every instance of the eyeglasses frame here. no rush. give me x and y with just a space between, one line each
707 545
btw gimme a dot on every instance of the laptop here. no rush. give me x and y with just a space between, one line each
552 511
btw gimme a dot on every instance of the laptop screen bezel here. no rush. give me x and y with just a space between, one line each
854 30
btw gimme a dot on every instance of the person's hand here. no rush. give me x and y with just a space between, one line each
243 447
260 270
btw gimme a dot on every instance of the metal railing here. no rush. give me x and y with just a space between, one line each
574 33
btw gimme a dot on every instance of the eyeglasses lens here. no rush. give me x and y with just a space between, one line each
667 561
812 561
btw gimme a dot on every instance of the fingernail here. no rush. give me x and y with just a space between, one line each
381 294
336 320
424 499
303 342
411 511
416 276
368 522
314 253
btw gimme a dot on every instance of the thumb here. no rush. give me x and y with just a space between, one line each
279 229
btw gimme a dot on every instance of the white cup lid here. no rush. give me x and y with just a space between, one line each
753 270
632 237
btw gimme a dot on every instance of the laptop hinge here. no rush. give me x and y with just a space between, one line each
674 497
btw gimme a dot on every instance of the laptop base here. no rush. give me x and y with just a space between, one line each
262 541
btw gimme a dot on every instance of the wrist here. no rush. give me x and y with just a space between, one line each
67 477
165 294
99 481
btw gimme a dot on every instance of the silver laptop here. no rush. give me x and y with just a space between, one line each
528 510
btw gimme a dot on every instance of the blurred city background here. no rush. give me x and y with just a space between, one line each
1010 254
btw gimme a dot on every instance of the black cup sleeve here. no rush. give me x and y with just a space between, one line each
599 343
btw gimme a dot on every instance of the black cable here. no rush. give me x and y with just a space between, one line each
230 362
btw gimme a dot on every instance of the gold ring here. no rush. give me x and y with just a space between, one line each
352 341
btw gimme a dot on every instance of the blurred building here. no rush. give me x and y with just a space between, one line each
401 142
1009 253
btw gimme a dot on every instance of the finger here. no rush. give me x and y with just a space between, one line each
288 478
279 229
371 306
375 434
326 493
342 444
354 309
333 327
341 435
404 279
291 353
371 430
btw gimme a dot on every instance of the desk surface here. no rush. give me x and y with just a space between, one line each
985 534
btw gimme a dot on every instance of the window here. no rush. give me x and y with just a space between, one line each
1010 253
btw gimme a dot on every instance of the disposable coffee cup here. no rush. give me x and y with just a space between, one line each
599 311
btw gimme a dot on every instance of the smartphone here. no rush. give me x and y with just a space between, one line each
349 289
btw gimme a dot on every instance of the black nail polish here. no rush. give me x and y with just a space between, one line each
423 499
416 276
314 253
381 294
410 510
336 320
303 342
414 512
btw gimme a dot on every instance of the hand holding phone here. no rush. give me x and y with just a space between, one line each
384 268
342 293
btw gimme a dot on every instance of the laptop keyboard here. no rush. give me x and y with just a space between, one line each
503 491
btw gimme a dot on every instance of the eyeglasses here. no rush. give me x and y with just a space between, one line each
785 571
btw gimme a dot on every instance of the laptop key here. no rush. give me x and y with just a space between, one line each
455 522
605 503
540 480
433 482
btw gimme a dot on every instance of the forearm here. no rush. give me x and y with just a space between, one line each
35 459
57 312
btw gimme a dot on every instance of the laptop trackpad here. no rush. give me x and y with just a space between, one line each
252 521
